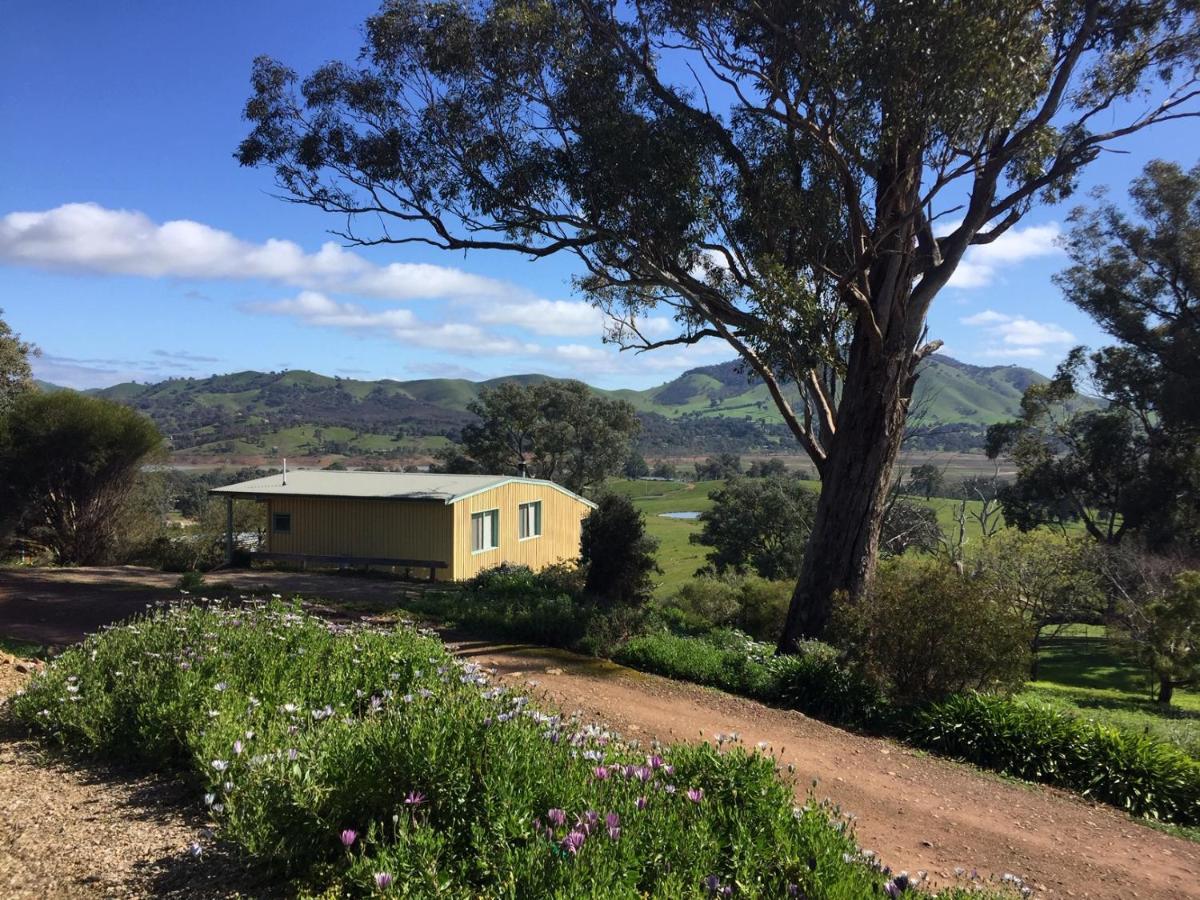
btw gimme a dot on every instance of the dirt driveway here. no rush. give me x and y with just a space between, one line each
915 811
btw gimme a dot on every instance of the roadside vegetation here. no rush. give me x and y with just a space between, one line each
363 761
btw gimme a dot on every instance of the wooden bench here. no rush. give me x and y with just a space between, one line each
352 561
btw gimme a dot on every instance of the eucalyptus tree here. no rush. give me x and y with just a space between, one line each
799 180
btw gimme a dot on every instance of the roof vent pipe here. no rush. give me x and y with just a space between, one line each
285 470
522 469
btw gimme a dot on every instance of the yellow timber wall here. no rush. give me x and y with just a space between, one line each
330 526
407 529
562 516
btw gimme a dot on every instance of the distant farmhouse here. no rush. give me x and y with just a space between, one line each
450 526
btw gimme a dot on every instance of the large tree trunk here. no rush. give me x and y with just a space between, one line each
844 544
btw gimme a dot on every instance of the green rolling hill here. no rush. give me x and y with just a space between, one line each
704 410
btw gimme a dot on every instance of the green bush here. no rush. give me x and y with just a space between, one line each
924 632
746 602
1130 770
812 680
373 762
513 601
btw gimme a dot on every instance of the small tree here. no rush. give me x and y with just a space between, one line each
559 430
16 376
909 526
767 468
664 469
617 552
71 463
1048 579
635 466
1162 632
926 479
758 525
716 468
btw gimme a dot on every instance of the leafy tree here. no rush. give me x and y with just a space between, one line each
758 525
636 466
1163 633
716 468
767 468
909 526
16 376
71 463
925 479
617 552
1048 579
559 430
664 469
790 211
1133 465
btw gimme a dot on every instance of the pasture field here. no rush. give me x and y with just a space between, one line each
1081 672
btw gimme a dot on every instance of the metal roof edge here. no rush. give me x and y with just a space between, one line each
516 479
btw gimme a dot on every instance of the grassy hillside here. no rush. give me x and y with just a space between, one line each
705 410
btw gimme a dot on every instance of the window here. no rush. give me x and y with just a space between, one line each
485 530
281 523
529 518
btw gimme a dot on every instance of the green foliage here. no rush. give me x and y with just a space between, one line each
767 468
724 466
1129 770
545 607
561 430
925 632
909 526
758 525
73 462
298 731
745 602
616 553
16 376
1135 465
812 680
1049 579
926 479
635 466
1162 632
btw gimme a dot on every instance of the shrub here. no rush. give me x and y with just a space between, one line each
758 525
925 632
545 607
616 553
1133 771
340 752
746 602
812 680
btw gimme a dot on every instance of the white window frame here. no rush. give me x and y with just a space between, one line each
522 511
495 515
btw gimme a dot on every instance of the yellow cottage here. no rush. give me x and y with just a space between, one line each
454 526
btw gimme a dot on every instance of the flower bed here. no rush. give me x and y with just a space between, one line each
373 761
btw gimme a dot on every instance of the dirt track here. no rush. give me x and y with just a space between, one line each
916 812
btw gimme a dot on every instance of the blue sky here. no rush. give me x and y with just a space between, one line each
132 245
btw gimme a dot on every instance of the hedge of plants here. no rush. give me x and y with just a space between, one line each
1134 771
372 762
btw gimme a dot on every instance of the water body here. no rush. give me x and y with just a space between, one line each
680 515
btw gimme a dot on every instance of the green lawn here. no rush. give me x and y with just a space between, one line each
1081 673
679 559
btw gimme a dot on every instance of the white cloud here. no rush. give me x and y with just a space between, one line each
87 237
314 308
560 318
1016 336
983 263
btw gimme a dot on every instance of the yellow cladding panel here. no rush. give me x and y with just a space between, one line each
401 529
561 520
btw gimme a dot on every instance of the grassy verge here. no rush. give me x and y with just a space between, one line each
1080 673
372 762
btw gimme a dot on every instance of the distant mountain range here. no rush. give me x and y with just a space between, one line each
247 415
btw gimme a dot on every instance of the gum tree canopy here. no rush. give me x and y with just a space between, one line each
797 179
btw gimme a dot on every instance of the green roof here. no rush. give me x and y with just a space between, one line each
378 485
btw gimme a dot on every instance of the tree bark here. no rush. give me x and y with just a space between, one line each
1166 690
843 547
